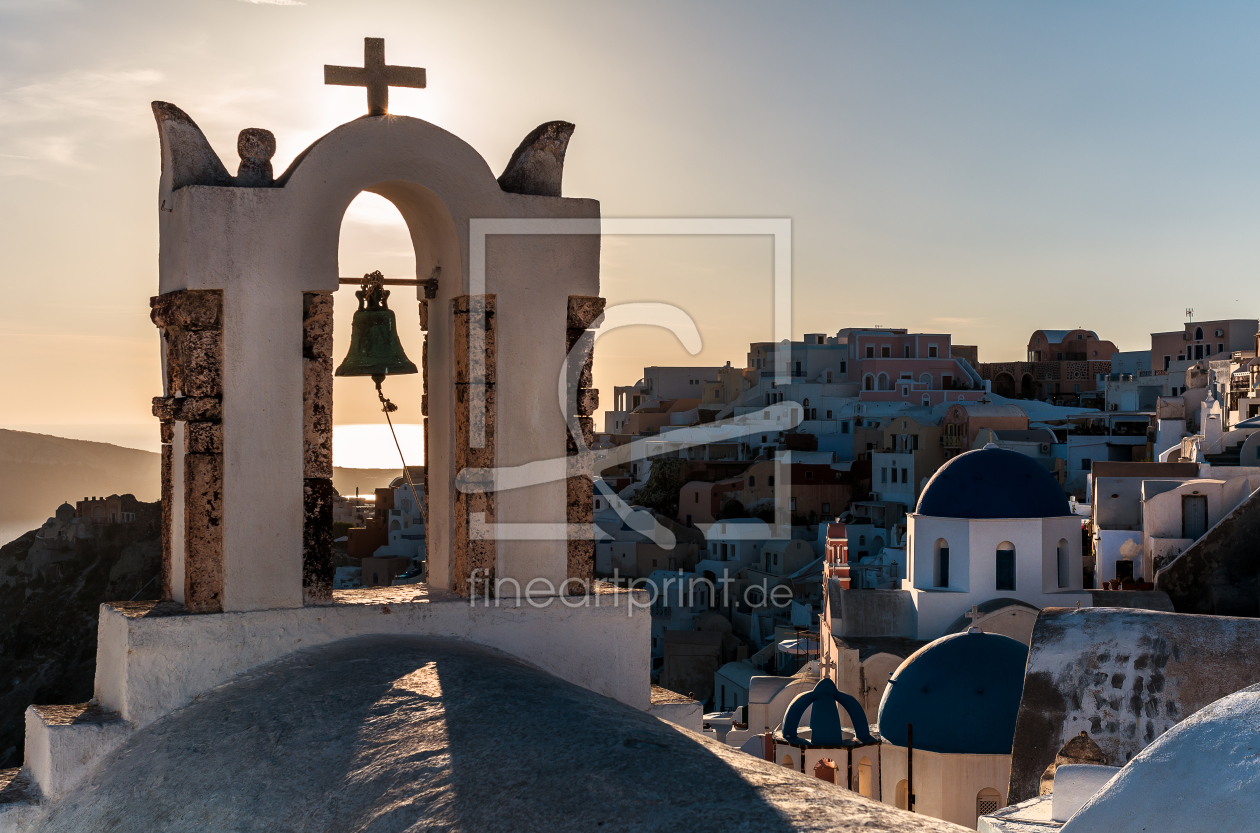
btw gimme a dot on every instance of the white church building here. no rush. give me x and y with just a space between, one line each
991 524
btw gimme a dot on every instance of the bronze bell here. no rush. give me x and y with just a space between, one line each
374 346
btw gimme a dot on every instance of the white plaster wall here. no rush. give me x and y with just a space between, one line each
922 533
265 246
1036 566
1107 545
57 756
945 786
148 667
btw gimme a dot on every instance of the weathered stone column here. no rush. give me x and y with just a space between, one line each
424 413
474 557
317 488
191 322
584 399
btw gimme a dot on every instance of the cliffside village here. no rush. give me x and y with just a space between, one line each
866 571
932 502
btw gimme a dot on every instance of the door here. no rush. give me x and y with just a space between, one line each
1193 516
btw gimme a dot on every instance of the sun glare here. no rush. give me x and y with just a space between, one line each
372 447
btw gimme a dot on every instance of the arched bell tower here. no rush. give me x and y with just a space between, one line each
247 267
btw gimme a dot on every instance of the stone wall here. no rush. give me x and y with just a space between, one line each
1219 573
317 488
1125 677
191 322
583 399
475 412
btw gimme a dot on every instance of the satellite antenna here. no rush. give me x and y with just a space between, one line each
1190 314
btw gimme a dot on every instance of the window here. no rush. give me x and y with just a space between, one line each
988 801
870 352
1005 566
947 381
868 382
843 365
940 571
752 478
907 355
697 497
598 505
776 555
1167 361
864 778
828 377
1076 388
1207 349
787 762
931 351
1065 570
1220 348
883 475
829 415
771 480
1198 333
862 540
844 427
809 475
826 508
1086 464
904 478
885 352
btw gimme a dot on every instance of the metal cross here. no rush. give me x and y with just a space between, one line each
376 75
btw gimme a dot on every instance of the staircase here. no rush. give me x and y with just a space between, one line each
1229 457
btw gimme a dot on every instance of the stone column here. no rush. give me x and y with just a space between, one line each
474 557
583 398
191 322
317 488
424 417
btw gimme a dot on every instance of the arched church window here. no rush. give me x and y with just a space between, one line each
1198 333
882 382
806 403
1005 566
988 801
787 762
868 382
903 794
862 540
940 564
1065 570
864 778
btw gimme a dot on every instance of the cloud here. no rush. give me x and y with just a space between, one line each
49 120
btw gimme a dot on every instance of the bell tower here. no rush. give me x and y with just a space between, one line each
248 263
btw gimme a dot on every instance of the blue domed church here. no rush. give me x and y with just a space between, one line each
992 530
947 721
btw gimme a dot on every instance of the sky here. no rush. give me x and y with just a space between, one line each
984 169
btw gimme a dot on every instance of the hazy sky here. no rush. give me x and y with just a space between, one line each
979 168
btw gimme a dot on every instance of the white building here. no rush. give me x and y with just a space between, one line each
405 526
991 524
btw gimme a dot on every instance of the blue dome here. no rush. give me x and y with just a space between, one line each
961 692
993 482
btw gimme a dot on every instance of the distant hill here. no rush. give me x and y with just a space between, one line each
38 472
